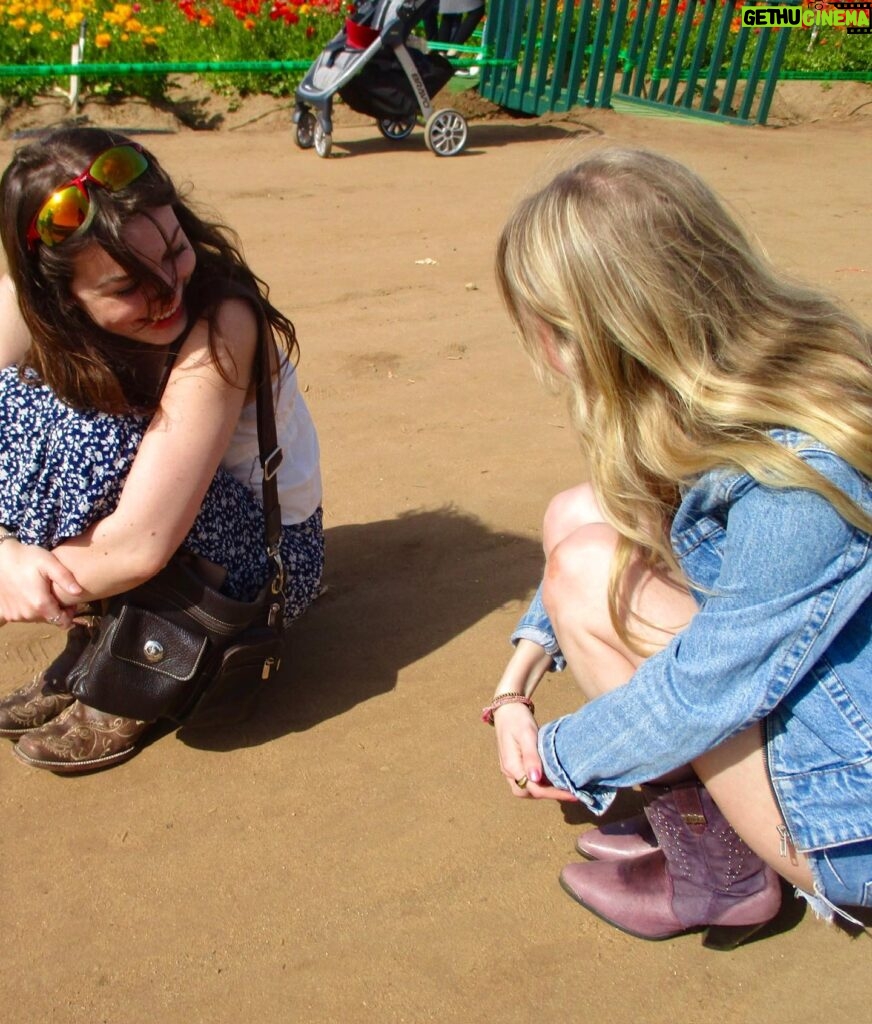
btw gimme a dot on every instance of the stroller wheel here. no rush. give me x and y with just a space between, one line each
305 134
323 141
445 133
396 128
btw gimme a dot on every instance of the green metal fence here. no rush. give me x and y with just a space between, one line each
687 56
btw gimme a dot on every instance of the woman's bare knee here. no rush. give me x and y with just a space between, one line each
576 582
568 511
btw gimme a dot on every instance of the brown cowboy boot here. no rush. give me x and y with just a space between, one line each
45 696
80 739
702 877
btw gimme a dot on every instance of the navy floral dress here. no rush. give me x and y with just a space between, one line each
62 470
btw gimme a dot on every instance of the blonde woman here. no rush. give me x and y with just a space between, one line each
710 587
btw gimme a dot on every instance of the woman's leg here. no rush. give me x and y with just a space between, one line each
579 549
735 774
467 24
431 25
448 24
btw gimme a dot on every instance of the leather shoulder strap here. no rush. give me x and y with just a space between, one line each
271 456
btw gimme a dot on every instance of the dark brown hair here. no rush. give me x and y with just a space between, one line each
84 365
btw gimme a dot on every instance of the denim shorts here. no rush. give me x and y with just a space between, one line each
843 874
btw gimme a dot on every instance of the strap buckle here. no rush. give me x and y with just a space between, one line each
278 580
272 463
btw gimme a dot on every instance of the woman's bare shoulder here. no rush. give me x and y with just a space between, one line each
14 335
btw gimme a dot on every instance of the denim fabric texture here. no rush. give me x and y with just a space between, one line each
843 874
783 635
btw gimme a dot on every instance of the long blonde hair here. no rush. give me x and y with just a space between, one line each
681 346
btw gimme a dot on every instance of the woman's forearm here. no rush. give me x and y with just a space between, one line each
525 669
108 560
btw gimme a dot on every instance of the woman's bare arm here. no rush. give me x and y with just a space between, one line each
177 459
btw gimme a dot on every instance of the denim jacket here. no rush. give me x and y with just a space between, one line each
783 634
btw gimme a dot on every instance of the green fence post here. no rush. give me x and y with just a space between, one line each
772 75
596 56
633 57
754 73
728 12
698 54
619 22
680 50
663 47
734 71
647 47
564 90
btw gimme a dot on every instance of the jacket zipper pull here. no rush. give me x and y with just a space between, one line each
785 840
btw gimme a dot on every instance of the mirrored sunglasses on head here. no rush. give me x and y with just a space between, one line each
69 209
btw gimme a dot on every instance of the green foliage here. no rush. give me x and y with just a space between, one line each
830 49
164 31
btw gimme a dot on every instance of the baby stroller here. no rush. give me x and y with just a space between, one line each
370 65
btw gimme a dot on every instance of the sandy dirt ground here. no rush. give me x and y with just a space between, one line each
351 853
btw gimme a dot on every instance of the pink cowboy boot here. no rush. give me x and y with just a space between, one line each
702 877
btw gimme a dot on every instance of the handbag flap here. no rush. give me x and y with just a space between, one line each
151 642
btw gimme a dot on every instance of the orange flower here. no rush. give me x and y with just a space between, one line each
102 40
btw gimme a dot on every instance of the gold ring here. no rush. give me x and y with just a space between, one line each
522 782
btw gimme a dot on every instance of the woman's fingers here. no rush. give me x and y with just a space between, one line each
61 577
529 748
63 617
517 734
27 583
545 791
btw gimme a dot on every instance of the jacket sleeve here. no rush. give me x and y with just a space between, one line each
793 572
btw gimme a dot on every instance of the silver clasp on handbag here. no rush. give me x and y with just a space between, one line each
153 651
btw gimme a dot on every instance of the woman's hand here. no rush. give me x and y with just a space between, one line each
29 576
516 728
517 736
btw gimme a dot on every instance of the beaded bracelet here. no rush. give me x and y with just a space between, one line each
487 714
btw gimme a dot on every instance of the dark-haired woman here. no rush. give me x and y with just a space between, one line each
127 416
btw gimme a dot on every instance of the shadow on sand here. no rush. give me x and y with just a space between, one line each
397 590
483 135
